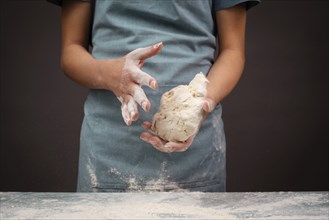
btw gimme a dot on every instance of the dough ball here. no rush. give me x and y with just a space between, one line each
180 110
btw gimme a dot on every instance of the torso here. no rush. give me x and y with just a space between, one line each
112 157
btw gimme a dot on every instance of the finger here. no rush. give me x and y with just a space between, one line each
147 125
132 109
144 79
179 146
139 96
162 149
124 111
140 64
156 142
146 52
209 105
165 146
147 138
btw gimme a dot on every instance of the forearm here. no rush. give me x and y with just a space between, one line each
79 65
76 61
225 74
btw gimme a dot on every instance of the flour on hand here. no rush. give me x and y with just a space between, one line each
180 110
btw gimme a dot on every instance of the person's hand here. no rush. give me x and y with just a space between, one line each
169 147
129 78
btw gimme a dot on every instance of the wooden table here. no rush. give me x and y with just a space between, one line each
164 205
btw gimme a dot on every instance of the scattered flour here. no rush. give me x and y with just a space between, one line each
91 172
164 205
138 184
127 206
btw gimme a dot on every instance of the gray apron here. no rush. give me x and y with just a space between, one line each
112 157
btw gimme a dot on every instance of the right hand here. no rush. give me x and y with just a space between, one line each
170 147
129 80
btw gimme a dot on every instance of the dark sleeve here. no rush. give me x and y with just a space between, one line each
222 4
59 2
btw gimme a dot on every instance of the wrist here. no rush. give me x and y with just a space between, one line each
108 74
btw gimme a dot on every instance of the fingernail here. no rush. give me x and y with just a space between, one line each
143 125
208 106
211 105
144 106
133 115
128 122
157 45
144 139
153 84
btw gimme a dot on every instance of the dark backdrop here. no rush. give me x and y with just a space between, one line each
276 120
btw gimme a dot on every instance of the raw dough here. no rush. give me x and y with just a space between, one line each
180 110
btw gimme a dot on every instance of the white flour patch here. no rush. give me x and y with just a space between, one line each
91 172
217 140
134 206
275 206
138 184
164 205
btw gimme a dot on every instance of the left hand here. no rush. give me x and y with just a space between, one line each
169 147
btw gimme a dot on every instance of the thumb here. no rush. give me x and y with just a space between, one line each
146 52
209 105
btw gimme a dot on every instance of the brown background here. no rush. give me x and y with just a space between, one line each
276 120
